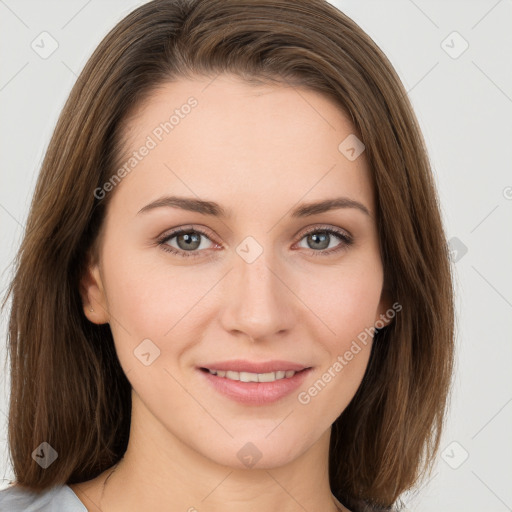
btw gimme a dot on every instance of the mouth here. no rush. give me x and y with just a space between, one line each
265 382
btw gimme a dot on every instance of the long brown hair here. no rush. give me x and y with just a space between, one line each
67 386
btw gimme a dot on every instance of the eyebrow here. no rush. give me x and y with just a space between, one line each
216 210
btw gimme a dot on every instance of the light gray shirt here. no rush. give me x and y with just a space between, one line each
60 498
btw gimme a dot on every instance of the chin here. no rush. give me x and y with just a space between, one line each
260 450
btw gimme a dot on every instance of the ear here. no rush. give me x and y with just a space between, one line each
93 295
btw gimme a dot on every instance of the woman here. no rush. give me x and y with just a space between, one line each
234 290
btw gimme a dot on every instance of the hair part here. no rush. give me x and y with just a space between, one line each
67 386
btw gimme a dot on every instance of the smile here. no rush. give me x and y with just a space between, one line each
254 388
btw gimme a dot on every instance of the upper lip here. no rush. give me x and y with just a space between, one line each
241 365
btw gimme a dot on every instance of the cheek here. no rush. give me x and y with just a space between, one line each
147 295
345 299
152 300
333 387
348 308
138 301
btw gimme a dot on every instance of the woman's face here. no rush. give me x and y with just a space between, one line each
257 277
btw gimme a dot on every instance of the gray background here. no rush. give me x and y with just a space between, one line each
463 102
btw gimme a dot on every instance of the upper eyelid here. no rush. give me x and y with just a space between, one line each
176 231
334 229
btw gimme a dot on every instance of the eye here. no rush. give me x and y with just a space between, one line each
188 241
319 240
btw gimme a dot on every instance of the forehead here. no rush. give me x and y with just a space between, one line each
241 144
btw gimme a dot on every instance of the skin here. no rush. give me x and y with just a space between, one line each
259 151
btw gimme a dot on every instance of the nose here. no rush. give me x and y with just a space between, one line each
259 302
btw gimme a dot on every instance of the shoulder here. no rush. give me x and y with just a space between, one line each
59 498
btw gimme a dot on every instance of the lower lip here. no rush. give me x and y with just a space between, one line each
256 393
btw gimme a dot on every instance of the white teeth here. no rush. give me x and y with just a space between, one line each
254 377
247 377
267 377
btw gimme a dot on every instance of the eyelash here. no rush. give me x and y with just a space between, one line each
344 238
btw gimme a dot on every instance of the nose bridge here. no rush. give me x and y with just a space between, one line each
258 303
258 277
